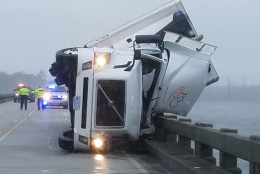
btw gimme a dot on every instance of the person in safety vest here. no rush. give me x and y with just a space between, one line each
39 95
23 93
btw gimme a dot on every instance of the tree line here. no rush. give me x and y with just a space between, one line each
8 82
231 93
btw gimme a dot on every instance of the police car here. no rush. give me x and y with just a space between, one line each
55 96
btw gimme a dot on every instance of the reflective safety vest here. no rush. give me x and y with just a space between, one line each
24 91
39 92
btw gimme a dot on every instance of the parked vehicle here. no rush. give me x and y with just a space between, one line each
17 98
55 96
120 82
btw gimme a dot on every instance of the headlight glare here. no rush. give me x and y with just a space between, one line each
46 97
101 59
98 143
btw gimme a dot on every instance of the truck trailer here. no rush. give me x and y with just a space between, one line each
120 82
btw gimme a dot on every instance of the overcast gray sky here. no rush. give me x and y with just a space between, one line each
31 31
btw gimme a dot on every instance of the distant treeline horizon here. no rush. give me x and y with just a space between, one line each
9 82
231 93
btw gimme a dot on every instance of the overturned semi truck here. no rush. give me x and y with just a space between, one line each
121 81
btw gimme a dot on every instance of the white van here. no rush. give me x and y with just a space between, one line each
56 96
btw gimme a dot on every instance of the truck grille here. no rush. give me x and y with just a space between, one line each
110 103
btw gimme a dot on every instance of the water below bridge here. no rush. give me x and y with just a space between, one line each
243 116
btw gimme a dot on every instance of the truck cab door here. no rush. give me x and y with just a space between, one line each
188 72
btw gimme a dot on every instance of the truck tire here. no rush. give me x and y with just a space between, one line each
15 100
65 107
63 58
54 70
66 141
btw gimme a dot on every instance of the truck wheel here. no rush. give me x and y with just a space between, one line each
15 100
65 107
66 140
64 58
66 61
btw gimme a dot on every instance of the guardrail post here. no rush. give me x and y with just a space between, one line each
184 142
170 136
254 168
202 150
227 161
159 128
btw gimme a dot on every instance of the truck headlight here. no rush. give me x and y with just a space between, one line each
16 94
101 59
65 97
97 143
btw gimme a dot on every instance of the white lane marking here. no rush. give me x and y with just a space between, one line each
49 138
138 165
45 171
16 125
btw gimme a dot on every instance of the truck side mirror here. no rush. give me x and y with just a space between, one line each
146 39
137 55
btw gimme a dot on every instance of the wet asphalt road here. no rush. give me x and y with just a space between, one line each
29 145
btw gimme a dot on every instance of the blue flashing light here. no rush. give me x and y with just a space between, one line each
51 86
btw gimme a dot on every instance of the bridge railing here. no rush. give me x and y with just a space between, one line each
5 97
230 145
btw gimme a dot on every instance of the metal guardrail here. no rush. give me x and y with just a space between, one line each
230 145
5 97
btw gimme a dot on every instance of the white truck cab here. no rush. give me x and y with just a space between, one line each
118 83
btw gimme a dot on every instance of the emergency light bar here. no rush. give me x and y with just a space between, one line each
51 86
